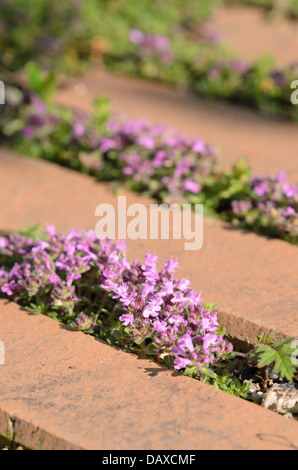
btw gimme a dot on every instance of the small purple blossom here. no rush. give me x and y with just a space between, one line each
152 46
127 319
136 36
289 212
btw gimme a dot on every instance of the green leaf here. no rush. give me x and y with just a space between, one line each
265 339
282 342
283 365
267 355
43 84
209 373
34 76
33 231
281 359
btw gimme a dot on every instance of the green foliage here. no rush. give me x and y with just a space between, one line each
38 308
277 354
46 31
265 339
102 113
42 83
33 231
219 190
226 383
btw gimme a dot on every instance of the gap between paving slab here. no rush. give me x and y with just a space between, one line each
278 38
251 279
59 398
269 144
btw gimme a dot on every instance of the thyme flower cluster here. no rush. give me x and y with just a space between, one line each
208 69
169 164
273 202
151 158
88 282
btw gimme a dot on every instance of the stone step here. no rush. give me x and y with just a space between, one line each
62 389
269 144
252 280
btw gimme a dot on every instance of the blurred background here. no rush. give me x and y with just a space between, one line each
238 50
222 71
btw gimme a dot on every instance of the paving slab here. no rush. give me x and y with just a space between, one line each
278 38
61 389
270 145
252 279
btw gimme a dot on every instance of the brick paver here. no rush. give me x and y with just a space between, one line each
67 390
278 38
